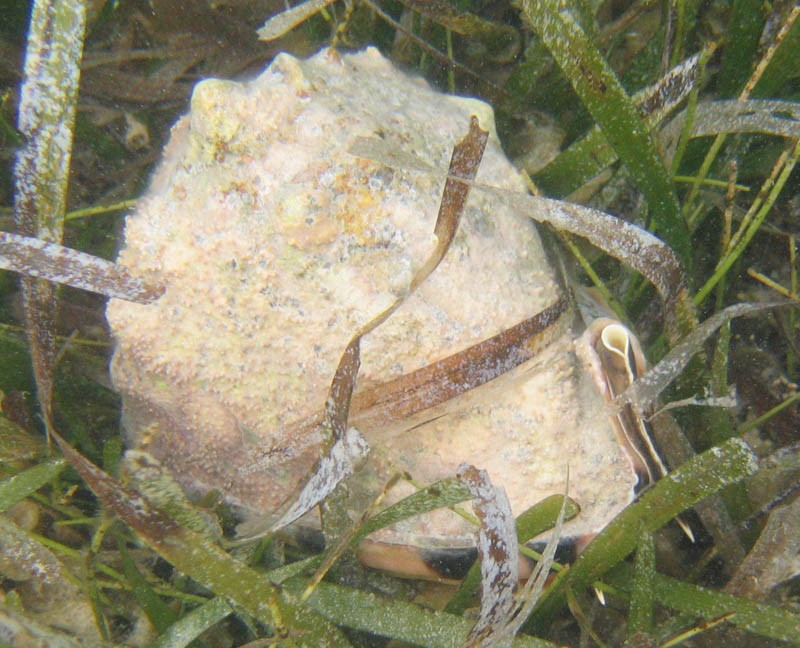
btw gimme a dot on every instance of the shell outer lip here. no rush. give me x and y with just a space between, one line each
617 359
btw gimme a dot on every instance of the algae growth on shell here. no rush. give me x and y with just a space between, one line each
276 245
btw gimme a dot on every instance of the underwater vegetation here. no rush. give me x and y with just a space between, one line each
666 181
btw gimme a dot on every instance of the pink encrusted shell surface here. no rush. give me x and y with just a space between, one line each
276 245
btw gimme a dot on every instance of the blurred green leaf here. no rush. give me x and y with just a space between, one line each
205 562
17 445
191 625
17 488
760 618
501 40
785 63
745 25
157 611
640 616
396 619
446 492
695 480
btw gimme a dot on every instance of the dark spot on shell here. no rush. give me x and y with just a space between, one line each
566 550
452 564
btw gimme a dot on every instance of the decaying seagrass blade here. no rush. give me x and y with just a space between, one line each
766 116
529 596
500 620
347 448
336 465
36 258
288 19
48 101
438 382
632 245
407 395
498 549
195 555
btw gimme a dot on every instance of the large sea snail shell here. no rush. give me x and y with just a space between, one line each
276 244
